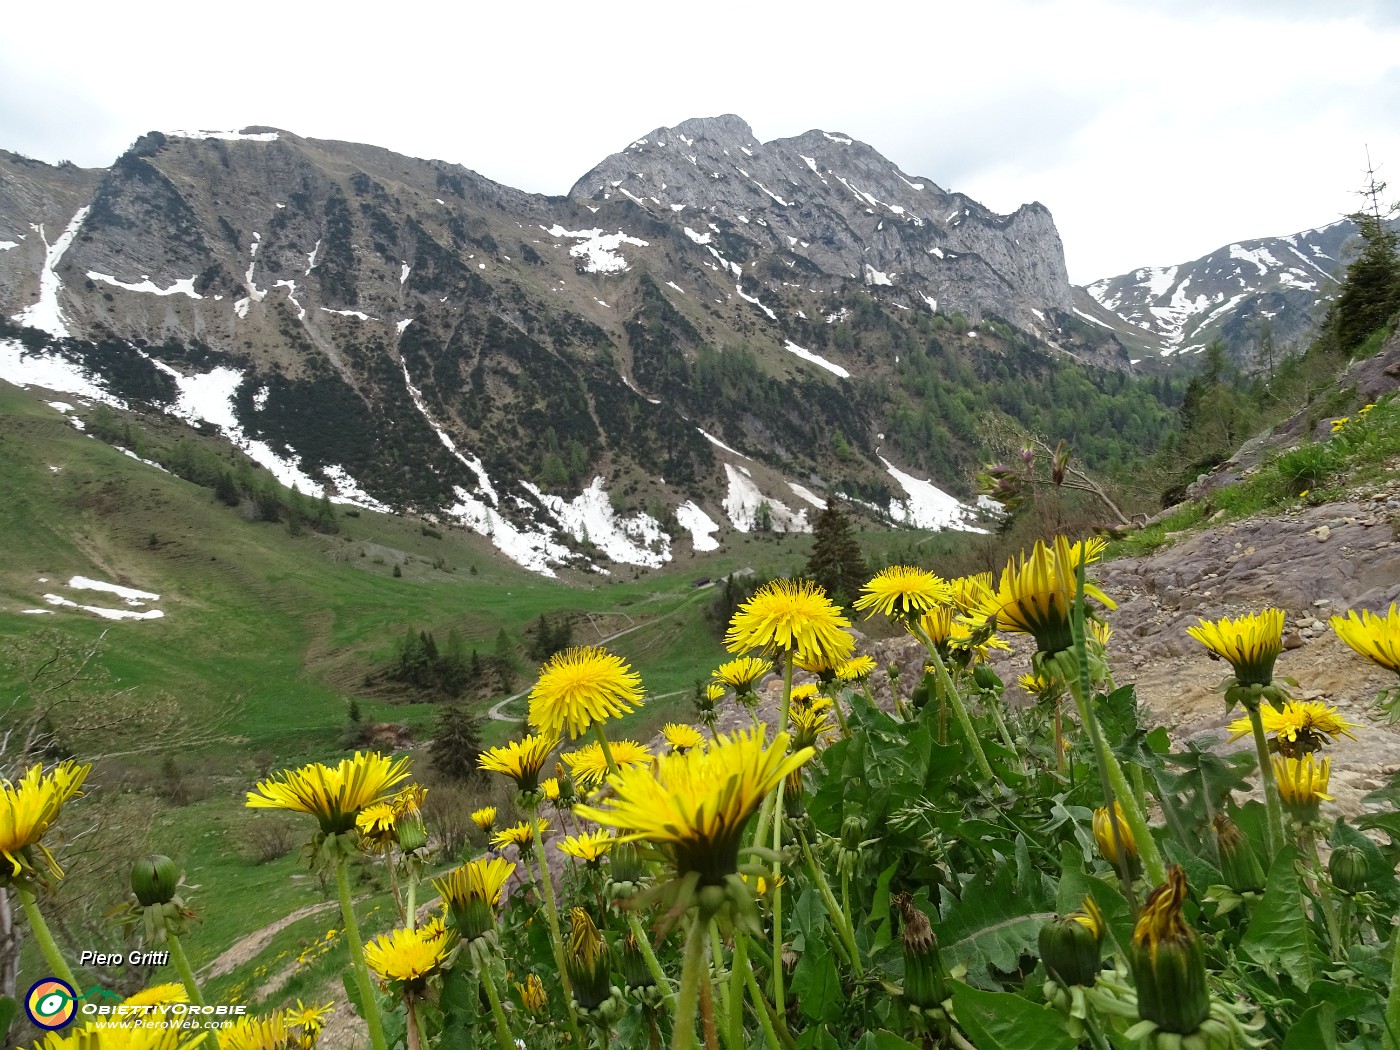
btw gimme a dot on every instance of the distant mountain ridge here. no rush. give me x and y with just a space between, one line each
1242 293
708 332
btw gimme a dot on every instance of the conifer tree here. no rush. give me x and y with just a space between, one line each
1370 292
456 744
836 561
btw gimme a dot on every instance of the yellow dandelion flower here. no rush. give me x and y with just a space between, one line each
1302 727
1302 785
28 809
158 995
1041 685
125 1037
1250 644
581 686
250 1032
804 694
481 879
856 669
742 674
588 765
409 801
1339 424
903 592
1035 596
550 789
714 692
333 795
1107 842
521 760
681 737
590 848
406 956
1101 632
310 1020
790 615
376 826
970 592
817 663
696 804
1375 637
522 834
532 994
939 625
810 726
484 818
1362 413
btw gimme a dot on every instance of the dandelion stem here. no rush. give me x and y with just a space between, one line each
946 687
412 910
738 961
1076 676
47 946
488 981
415 1037
551 909
716 961
1392 1002
182 967
1274 827
653 964
368 1001
765 1012
603 743
1325 902
779 998
707 1006
838 915
692 972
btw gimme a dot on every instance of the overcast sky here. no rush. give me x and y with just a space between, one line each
1155 132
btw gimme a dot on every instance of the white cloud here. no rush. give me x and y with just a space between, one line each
1238 120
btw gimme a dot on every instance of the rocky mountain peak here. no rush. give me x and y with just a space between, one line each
836 210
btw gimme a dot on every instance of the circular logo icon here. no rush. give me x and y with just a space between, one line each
51 1003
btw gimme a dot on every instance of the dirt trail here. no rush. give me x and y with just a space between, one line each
248 947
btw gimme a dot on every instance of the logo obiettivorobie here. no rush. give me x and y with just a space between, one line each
51 1003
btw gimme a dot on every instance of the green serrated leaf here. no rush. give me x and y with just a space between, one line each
352 991
883 1039
808 918
993 925
1003 1021
8 1009
880 909
1315 1029
816 985
1279 936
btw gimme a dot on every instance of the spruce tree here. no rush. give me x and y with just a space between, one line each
456 744
1370 292
836 561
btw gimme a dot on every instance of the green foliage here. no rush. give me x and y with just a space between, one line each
456 745
836 562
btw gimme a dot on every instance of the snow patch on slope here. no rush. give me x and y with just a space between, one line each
46 314
589 516
817 359
744 498
599 248
183 287
699 524
926 506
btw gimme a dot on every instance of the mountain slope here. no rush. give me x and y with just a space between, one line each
584 379
1250 294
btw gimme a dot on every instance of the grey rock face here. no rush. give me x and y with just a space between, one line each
832 210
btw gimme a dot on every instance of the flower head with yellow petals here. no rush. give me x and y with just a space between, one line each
1375 637
856 669
521 760
787 616
407 957
681 738
903 593
588 765
1036 595
1302 786
334 795
590 848
696 805
1250 644
1301 728
742 674
28 808
582 686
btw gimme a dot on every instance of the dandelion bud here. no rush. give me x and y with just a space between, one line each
586 961
852 833
1070 945
1112 834
792 795
986 679
1348 869
925 985
153 880
532 994
411 833
1168 961
1241 868
625 870
633 965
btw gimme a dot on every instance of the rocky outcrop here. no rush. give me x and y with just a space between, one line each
828 209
